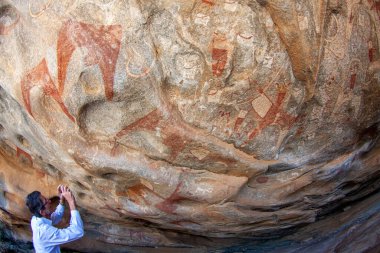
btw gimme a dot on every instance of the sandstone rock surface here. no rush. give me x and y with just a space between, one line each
178 119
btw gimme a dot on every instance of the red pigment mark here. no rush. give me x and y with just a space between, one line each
8 11
167 205
176 143
375 5
371 52
213 92
22 153
39 76
270 117
245 37
135 194
252 82
351 17
300 131
219 57
40 174
209 2
102 43
149 122
225 114
114 148
238 123
352 81
262 180
286 120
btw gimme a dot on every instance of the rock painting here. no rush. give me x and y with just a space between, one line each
136 194
219 54
22 154
219 57
272 113
167 205
209 2
176 142
148 122
41 11
39 76
212 128
375 5
266 112
354 68
102 43
239 120
371 51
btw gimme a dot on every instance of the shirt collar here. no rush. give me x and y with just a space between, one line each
42 220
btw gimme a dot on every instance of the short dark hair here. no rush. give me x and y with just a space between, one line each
34 203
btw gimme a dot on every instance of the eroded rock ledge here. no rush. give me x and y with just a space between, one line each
176 121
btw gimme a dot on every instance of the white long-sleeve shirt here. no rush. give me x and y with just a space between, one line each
47 238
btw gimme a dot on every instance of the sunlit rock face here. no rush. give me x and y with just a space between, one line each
211 118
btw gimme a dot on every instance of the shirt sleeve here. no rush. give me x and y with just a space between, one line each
57 215
52 236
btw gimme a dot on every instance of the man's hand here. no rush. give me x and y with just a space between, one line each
59 189
66 194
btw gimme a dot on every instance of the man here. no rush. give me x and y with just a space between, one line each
46 237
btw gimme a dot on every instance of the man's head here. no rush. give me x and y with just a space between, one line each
38 204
